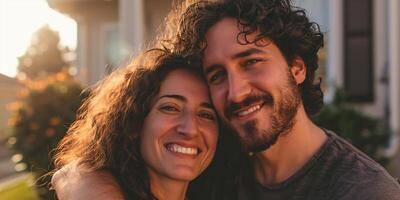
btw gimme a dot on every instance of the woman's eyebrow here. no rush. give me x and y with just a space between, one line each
184 99
174 96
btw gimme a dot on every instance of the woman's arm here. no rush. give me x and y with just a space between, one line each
77 183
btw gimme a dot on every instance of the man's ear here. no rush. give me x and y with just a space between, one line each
298 70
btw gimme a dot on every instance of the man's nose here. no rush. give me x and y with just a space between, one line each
239 88
188 126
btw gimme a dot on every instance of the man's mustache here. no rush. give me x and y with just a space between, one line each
231 107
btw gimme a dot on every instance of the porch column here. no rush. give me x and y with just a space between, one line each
132 26
335 49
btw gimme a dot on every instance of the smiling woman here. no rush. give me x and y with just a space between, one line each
152 126
19 19
179 135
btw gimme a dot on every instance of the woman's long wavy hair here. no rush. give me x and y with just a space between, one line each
278 20
106 134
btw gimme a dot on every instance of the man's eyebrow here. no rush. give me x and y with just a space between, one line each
174 96
247 52
241 54
211 68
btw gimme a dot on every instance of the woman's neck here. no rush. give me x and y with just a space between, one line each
165 188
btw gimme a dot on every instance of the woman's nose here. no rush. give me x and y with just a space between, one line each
188 126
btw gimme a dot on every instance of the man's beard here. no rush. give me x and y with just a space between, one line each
282 117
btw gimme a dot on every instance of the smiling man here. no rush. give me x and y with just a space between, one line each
252 86
259 58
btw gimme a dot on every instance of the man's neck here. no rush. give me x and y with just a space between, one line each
290 153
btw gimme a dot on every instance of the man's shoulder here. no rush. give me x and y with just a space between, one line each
357 175
345 155
360 185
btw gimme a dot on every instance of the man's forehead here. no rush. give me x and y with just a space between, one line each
236 50
228 33
221 38
223 28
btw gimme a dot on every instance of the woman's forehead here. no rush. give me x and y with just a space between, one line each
184 83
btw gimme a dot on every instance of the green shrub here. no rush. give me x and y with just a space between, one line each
368 134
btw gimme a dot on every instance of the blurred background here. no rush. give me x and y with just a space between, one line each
51 50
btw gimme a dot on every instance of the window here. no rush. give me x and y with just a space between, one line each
358 55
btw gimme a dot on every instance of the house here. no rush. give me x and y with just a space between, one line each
363 57
362 49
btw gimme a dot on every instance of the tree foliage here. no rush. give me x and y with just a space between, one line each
46 106
45 110
44 56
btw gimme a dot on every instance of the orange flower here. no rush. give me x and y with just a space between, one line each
23 93
61 76
54 121
33 126
50 132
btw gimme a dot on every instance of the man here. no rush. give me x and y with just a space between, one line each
259 58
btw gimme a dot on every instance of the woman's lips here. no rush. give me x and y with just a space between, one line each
182 149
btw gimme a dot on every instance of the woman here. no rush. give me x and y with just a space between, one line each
152 126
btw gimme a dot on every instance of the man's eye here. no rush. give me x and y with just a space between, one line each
215 77
207 115
251 62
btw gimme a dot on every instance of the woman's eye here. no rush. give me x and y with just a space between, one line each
207 115
169 108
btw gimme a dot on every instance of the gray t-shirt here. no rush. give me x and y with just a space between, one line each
337 171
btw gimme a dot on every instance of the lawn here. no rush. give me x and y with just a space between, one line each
18 189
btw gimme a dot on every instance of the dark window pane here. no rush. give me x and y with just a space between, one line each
358 15
358 50
358 66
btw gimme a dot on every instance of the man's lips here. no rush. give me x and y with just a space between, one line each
248 106
248 110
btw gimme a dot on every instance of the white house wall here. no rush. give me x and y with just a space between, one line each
155 13
394 67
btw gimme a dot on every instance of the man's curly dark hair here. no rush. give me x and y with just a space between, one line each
278 20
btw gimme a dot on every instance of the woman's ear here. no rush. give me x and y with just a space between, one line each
298 70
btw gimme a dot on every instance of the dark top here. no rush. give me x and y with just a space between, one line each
337 171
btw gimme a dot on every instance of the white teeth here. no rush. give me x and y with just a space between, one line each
180 149
250 110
